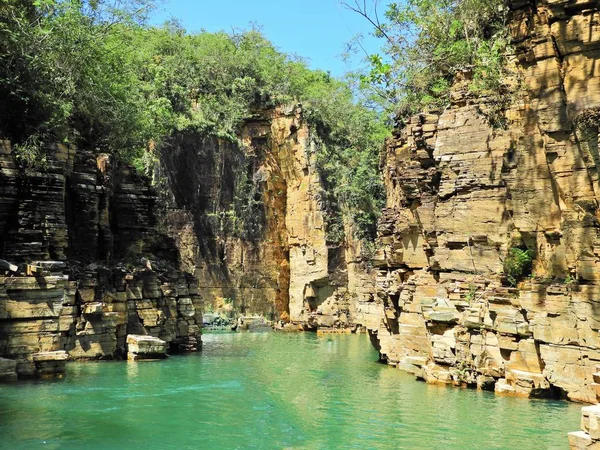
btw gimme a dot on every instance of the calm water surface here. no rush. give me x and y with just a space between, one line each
271 391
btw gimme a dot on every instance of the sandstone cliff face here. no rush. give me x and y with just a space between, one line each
250 222
461 194
241 226
75 218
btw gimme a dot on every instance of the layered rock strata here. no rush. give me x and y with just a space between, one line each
142 347
250 222
462 192
588 438
50 364
8 370
101 268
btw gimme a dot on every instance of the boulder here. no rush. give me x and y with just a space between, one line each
141 347
253 324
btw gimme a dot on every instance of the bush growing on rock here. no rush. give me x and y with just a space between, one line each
426 43
517 265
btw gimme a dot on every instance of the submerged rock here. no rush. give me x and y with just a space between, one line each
8 370
50 364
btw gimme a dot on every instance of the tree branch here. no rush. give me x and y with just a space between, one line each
363 12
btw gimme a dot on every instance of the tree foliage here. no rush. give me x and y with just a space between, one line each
427 42
62 71
92 72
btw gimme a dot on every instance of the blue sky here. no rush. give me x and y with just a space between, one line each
314 29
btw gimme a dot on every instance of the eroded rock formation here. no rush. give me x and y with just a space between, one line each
462 193
85 222
250 222
588 438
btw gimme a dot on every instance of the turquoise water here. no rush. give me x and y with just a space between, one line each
270 391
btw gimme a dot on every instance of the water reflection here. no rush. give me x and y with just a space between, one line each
132 370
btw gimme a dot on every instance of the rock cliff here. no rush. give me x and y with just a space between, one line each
239 226
463 191
249 219
85 223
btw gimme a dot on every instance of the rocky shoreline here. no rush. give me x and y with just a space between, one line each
76 283
463 195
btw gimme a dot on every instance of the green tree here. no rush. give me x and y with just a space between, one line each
63 74
426 43
93 73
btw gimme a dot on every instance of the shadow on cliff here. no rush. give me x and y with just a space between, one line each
205 175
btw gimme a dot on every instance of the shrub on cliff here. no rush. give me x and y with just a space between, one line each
517 265
348 160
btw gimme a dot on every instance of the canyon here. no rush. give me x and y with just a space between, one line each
106 252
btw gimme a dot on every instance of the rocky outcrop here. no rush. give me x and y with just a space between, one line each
90 317
588 438
99 267
462 192
142 347
249 218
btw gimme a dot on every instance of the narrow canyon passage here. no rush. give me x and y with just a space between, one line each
431 214
270 390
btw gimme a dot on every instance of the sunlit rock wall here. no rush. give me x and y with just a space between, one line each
461 193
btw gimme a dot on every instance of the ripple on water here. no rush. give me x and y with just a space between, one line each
270 390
